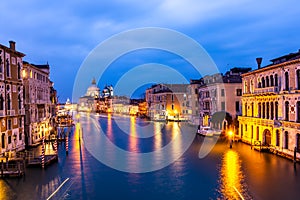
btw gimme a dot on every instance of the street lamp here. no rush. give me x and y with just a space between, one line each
230 134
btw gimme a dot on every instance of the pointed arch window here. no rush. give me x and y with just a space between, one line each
1 69
8 102
267 81
286 140
277 138
19 71
1 102
272 80
263 82
298 79
287 105
7 68
276 80
286 76
19 101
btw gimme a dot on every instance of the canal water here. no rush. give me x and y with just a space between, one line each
237 173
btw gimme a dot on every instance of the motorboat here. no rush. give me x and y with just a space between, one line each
206 131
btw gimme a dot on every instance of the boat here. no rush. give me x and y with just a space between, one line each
206 131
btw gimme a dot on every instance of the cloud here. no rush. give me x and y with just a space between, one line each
64 32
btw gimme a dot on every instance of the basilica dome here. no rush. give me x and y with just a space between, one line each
93 90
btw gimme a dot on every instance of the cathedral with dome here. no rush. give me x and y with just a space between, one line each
88 102
93 98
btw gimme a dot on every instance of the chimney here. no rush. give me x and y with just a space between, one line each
12 45
258 60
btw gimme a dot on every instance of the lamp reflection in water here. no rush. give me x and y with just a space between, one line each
232 184
133 140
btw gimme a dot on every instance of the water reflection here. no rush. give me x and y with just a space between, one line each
232 179
133 140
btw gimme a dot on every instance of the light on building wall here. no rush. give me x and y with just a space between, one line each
24 74
230 133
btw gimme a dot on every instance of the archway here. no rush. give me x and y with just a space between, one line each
267 137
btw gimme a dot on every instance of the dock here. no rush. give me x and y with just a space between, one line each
37 162
12 168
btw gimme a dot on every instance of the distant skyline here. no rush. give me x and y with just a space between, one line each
63 33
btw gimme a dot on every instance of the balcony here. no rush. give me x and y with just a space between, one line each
22 111
256 121
11 112
267 90
2 113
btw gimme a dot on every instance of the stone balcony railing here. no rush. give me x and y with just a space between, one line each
11 112
2 113
256 120
22 111
273 89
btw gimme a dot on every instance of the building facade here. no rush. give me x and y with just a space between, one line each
167 101
192 103
220 98
89 101
39 105
11 99
271 105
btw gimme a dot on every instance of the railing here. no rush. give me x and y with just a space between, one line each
273 89
260 121
22 111
11 112
2 113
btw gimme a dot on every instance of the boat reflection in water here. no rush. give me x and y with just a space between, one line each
232 185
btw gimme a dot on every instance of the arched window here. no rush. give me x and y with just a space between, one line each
263 82
277 137
276 80
259 110
286 140
286 76
298 79
298 142
1 102
252 109
272 110
263 110
7 68
19 102
287 105
8 102
19 71
268 110
298 111
245 109
246 87
272 80
267 81
257 133
1 70
276 110
258 83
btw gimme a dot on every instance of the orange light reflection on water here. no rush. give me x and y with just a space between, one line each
231 176
133 140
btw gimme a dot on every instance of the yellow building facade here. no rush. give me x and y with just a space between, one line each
271 106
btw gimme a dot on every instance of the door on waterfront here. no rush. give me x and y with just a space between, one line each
267 137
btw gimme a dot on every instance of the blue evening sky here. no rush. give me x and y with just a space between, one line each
63 33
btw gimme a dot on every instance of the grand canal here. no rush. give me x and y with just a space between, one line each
237 173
